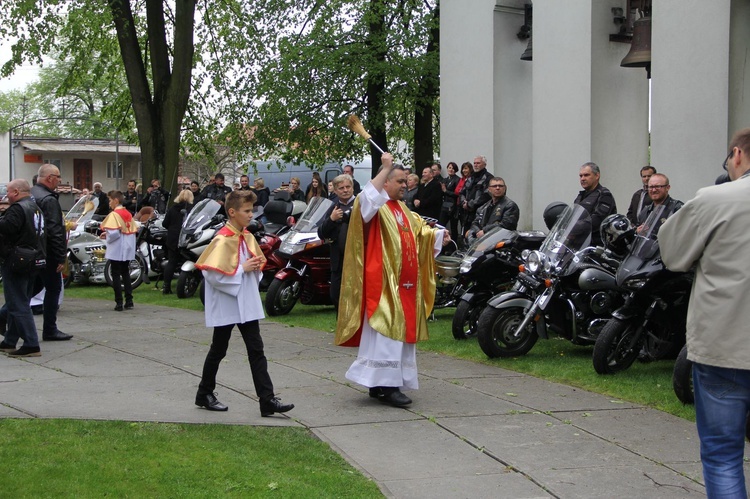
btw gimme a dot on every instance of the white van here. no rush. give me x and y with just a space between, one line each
274 177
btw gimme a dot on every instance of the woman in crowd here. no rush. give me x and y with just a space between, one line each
449 212
173 223
466 170
316 190
294 190
262 192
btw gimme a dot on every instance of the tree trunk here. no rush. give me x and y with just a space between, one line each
429 87
159 115
376 82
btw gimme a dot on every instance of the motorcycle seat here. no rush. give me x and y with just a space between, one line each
277 211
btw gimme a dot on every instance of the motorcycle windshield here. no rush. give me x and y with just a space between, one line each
490 240
83 210
645 245
199 216
313 215
570 234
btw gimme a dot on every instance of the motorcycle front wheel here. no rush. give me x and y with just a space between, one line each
137 268
496 332
465 320
617 346
682 378
188 282
282 295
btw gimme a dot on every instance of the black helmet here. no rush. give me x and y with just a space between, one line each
552 212
255 226
617 232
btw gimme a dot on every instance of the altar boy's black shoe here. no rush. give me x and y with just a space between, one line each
210 402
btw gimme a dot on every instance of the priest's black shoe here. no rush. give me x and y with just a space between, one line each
210 402
273 405
56 336
394 397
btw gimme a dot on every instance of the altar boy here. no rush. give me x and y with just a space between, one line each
232 266
120 230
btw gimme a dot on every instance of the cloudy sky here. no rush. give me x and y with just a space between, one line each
23 75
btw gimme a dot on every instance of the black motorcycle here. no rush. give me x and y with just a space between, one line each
651 322
488 267
566 287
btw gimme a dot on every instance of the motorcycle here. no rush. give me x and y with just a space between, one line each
488 267
198 229
85 250
150 254
682 377
651 322
565 287
307 274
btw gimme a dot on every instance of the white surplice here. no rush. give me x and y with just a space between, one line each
233 299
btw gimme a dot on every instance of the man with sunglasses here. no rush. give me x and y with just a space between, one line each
499 211
658 192
47 199
712 233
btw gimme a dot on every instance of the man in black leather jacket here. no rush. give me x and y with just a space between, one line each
595 198
500 211
47 199
157 197
19 227
474 193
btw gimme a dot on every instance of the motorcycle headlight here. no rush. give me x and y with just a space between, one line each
635 283
466 264
535 262
197 234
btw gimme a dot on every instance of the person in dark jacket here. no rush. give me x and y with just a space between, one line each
157 197
335 226
103 208
499 211
216 191
21 226
429 198
262 192
658 191
595 198
173 223
474 193
640 197
448 212
47 199
132 201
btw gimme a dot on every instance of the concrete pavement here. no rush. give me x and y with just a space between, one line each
473 430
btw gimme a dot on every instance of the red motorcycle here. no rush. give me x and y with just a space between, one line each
307 274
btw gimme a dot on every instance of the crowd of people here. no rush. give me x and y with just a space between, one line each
383 284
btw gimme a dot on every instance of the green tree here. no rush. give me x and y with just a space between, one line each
155 46
320 61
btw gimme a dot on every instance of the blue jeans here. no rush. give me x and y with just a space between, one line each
18 289
722 402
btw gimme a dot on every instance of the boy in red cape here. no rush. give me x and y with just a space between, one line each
120 230
232 266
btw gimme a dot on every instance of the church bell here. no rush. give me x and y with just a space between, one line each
526 56
640 48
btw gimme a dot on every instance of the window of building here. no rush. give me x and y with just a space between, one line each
56 162
114 170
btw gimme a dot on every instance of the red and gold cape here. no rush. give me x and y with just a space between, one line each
120 219
388 274
223 254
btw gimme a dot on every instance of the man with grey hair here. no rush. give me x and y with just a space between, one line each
475 192
103 208
47 199
595 198
21 226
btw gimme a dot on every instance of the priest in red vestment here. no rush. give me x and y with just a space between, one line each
388 286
